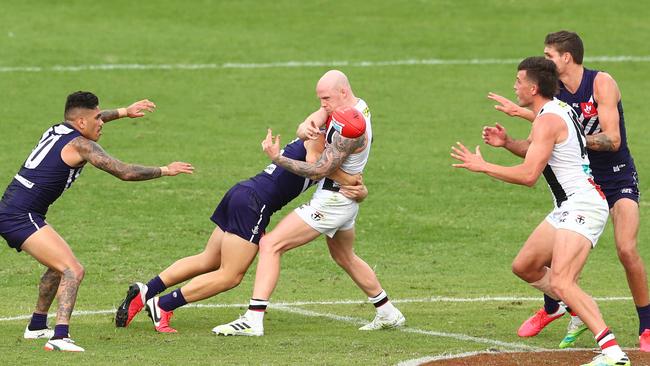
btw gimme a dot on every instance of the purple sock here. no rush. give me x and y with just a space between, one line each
172 300
61 331
38 322
550 304
154 287
644 318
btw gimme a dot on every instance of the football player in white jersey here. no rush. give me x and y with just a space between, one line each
556 148
329 212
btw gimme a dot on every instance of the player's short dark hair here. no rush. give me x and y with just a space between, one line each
80 99
543 73
565 41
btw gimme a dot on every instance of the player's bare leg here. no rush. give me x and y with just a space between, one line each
625 216
51 250
531 265
183 269
569 257
237 255
291 232
341 247
189 267
47 288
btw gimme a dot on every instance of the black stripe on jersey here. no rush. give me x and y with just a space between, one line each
330 185
580 134
330 133
593 129
556 188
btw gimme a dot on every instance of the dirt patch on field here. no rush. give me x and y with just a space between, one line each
637 358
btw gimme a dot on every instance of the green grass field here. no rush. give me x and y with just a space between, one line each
428 230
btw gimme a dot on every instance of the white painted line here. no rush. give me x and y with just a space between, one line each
448 356
298 64
457 336
432 299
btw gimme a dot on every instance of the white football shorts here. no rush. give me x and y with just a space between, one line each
584 213
329 215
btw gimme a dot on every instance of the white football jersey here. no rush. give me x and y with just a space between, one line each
354 163
568 169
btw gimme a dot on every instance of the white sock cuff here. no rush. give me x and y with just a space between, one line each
378 298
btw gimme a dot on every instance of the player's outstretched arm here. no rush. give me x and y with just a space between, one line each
310 127
607 95
91 152
135 110
510 108
332 158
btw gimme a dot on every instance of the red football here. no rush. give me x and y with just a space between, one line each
349 122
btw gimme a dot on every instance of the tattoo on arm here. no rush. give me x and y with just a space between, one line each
47 290
600 142
95 155
332 158
109 115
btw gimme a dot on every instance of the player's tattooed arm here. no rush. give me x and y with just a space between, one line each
109 115
600 142
91 152
332 158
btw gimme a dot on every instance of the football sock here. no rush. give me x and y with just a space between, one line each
154 287
61 331
550 304
39 321
383 306
608 344
256 310
644 318
172 300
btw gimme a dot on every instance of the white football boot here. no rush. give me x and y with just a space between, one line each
46 333
240 327
385 322
63 345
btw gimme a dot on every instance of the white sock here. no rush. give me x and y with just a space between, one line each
386 309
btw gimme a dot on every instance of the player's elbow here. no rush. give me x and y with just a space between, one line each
529 180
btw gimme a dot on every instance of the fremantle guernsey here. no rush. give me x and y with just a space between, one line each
44 176
568 170
604 164
277 186
354 163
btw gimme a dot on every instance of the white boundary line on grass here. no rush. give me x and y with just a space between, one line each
432 299
296 64
359 321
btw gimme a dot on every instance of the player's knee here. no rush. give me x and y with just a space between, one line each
627 253
559 286
342 259
75 271
268 246
521 270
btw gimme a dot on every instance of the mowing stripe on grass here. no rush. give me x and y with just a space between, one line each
297 64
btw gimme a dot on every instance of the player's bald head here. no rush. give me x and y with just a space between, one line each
333 80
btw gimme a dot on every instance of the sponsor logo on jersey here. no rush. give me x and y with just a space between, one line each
617 168
580 219
588 109
564 215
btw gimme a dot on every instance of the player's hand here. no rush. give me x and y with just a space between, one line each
472 162
505 105
312 131
357 193
137 109
177 168
271 148
495 136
